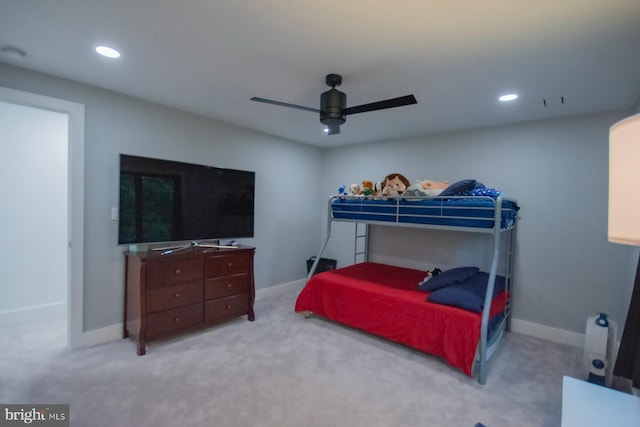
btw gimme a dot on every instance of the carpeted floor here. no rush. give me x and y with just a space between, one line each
281 370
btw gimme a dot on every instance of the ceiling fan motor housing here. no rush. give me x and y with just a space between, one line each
332 104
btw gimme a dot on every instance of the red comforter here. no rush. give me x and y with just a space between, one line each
384 300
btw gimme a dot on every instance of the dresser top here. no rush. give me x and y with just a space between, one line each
187 251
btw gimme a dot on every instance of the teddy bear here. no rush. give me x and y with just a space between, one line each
354 190
394 184
367 188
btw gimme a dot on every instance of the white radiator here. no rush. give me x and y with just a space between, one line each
600 349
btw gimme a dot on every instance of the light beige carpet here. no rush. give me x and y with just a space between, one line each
281 370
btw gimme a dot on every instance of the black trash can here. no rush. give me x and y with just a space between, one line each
325 264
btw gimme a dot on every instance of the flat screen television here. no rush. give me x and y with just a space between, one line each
169 201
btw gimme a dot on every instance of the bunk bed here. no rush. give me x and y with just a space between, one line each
385 300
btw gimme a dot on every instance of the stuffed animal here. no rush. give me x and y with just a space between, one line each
430 274
377 188
433 188
377 191
367 188
342 190
354 190
394 184
415 190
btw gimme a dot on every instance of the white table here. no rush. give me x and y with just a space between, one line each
585 405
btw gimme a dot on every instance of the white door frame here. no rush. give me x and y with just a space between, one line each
75 267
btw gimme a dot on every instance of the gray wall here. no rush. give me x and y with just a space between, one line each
116 124
566 269
557 169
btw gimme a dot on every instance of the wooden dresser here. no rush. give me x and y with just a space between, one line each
167 295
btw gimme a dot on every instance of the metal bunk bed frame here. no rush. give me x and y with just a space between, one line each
496 231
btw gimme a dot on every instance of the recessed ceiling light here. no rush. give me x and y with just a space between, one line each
109 52
508 97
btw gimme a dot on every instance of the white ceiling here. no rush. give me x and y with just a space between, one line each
210 56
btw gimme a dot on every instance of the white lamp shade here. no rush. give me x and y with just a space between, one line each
624 181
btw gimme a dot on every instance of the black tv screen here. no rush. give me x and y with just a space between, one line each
164 201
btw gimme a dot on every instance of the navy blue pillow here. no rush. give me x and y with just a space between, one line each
468 294
448 278
484 191
458 187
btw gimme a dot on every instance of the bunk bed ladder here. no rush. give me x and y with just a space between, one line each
361 243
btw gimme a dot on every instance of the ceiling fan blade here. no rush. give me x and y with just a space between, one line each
284 104
381 105
333 130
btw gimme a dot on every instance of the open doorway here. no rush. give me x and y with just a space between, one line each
42 162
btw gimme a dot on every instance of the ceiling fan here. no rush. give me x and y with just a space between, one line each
333 105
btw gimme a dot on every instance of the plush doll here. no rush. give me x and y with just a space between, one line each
377 188
377 191
433 188
367 188
354 190
342 190
430 274
394 184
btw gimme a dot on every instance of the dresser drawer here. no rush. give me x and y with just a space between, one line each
226 286
174 271
177 319
167 297
225 265
226 308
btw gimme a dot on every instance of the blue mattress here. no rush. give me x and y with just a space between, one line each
474 212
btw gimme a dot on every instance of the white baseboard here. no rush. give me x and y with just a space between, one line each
574 339
100 336
548 333
114 332
58 311
294 286
34 313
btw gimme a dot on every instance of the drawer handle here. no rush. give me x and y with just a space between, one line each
176 320
229 285
230 264
178 271
177 295
228 307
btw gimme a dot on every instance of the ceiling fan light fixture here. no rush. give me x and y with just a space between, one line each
107 51
508 97
333 105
